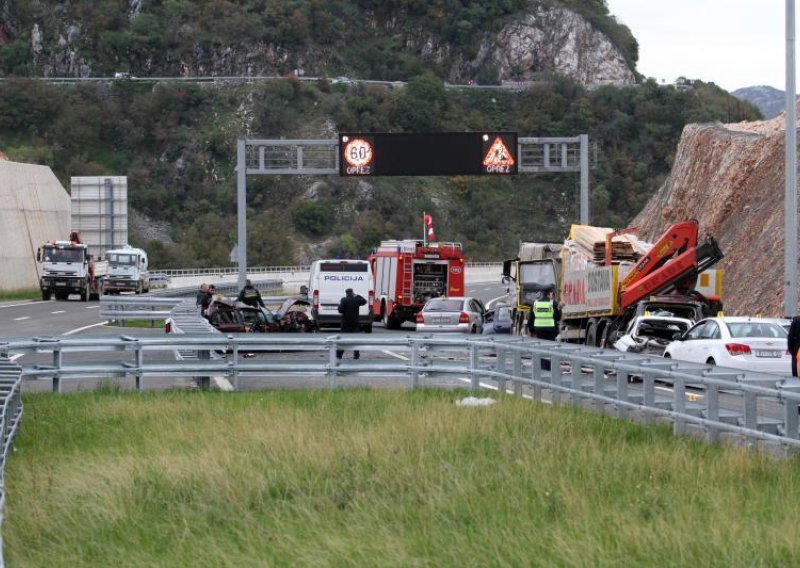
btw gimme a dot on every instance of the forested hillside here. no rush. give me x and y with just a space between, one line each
176 141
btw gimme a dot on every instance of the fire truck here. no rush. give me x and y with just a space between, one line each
409 272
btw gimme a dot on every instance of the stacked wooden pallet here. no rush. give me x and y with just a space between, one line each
591 243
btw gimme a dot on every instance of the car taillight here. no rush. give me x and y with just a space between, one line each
168 327
420 318
463 318
737 349
315 299
371 297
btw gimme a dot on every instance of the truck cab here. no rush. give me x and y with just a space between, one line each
127 271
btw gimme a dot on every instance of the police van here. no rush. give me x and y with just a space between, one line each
327 282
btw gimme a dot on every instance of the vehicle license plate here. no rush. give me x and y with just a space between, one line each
61 283
773 354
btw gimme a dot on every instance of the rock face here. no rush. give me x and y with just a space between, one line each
546 40
730 177
559 41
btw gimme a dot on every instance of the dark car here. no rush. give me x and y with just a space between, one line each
498 321
235 317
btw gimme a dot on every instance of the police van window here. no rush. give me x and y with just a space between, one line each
343 267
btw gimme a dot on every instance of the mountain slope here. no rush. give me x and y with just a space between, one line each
769 100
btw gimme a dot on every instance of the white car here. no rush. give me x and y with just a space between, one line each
749 344
458 314
651 334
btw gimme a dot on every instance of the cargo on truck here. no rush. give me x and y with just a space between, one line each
602 283
66 267
409 272
127 271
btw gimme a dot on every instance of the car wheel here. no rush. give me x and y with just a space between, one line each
667 356
474 329
711 361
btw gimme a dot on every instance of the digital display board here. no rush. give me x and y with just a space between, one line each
432 154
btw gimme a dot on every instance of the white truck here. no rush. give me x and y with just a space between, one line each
66 267
127 271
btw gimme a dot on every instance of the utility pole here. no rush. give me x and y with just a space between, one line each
790 203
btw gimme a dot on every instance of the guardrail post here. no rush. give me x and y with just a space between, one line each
536 375
414 365
138 358
649 398
791 420
235 362
57 360
333 362
500 355
712 411
599 376
474 379
576 380
679 406
750 410
622 393
555 378
203 381
517 373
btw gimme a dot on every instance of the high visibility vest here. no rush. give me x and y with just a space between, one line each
544 314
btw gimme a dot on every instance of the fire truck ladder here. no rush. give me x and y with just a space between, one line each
408 278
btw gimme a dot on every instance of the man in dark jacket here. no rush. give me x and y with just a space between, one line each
348 307
794 342
203 298
250 295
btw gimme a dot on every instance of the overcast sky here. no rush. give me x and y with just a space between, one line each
733 43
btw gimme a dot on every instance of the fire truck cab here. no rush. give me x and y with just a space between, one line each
409 272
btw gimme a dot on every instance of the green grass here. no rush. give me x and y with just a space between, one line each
20 294
377 478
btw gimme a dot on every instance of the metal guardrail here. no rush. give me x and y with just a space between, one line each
229 271
700 398
10 415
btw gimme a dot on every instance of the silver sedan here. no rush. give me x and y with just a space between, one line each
455 314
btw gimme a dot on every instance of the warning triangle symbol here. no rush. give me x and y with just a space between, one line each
498 154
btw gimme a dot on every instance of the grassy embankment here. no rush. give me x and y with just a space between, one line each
20 294
365 478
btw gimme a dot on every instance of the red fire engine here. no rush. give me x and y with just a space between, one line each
408 272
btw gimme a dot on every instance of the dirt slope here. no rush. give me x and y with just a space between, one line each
730 177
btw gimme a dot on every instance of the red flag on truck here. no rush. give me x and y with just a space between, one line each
429 228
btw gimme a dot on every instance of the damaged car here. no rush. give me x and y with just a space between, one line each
293 315
650 334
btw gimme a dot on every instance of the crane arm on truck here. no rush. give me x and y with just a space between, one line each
675 241
680 272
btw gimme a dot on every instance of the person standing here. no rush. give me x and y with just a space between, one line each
349 306
793 341
543 321
250 295
203 297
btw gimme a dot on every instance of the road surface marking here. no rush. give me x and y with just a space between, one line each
22 318
15 357
58 312
18 305
92 307
78 330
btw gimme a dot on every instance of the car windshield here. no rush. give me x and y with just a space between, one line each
443 305
53 254
756 329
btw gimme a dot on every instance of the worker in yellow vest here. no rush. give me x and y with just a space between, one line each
544 317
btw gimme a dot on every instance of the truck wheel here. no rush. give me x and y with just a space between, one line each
367 328
84 295
591 335
392 322
46 296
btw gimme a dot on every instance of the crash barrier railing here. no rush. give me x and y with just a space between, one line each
698 398
10 414
225 288
227 271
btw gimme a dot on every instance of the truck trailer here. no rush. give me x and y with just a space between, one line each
600 298
409 272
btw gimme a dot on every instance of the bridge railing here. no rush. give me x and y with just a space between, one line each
703 399
10 414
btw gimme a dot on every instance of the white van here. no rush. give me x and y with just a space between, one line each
327 282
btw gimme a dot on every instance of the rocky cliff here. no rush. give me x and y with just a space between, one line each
730 177
546 38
